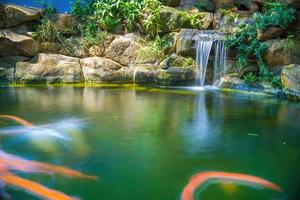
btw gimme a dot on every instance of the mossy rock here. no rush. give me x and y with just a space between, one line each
290 77
173 19
171 3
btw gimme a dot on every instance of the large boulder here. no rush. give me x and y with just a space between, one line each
290 77
16 44
7 67
272 32
14 15
49 68
50 47
170 76
185 44
279 53
173 19
123 50
74 46
230 22
99 70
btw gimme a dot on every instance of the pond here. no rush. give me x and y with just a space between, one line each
146 143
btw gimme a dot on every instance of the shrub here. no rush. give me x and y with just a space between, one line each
153 50
152 23
245 38
250 78
289 44
47 31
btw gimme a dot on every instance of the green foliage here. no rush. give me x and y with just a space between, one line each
289 44
185 62
47 31
153 50
229 15
152 22
48 7
82 9
196 20
107 14
250 78
245 39
91 34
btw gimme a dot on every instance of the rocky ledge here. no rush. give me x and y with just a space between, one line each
118 58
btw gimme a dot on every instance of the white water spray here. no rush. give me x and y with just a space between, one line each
204 43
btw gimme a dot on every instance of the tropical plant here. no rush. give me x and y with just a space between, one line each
289 44
47 31
153 50
152 23
246 42
250 78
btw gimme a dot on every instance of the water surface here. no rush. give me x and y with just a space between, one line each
146 143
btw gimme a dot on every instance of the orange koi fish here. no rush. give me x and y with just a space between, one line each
11 162
198 179
17 119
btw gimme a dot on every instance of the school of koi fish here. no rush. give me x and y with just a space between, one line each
9 162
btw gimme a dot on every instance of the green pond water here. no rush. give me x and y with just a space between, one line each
146 143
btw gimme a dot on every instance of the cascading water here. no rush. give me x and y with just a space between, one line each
220 65
204 43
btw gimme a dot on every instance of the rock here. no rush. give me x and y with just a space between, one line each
170 46
7 67
173 19
74 47
225 4
248 69
177 61
229 24
97 50
171 3
204 5
49 68
272 32
205 18
23 28
123 50
66 23
290 77
278 54
98 70
201 5
185 44
16 44
14 15
176 76
233 83
167 63
229 81
50 47
170 76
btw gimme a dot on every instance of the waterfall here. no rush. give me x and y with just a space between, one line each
203 46
134 74
205 40
220 65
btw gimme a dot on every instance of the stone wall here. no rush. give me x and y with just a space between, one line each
115 60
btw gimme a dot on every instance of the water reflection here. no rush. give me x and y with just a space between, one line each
154 137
